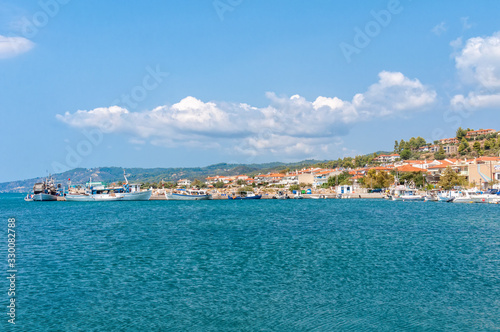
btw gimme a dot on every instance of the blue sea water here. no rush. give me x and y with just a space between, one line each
268 265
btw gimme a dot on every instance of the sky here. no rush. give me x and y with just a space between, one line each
193 83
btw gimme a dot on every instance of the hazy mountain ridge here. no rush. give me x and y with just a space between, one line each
115 174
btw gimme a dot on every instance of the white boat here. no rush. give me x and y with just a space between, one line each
45 191
464 197
244 195
136 196
188 195
490 196
447 195
102 193
93 198
132 191
29 198
44 197
406 194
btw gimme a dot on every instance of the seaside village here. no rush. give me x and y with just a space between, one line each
476 172
462 168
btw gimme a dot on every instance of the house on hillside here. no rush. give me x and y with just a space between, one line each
475 133
452 140
184 182
386 158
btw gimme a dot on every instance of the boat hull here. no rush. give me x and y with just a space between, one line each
136 196
241 198
177 197
416 198
92 198
445 199
44 198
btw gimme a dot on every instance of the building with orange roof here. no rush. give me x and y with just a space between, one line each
322 177
475 133
452 140
386 158
409 168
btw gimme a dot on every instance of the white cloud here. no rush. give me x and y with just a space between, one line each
478 65
439 29
287 126
12 46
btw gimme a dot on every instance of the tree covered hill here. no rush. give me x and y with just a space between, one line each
155 175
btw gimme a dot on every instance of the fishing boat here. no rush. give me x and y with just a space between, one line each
45 191
406 194
245 195
132 191
187 195
99 193
464 196
447 195
94 196
29 198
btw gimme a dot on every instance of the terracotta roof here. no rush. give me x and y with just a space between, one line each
324 172
381 168
408 168
488 159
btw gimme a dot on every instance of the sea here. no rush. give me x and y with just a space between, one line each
256 265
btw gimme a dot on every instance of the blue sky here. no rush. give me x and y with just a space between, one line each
192 83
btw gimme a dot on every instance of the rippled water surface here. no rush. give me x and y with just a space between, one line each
268 265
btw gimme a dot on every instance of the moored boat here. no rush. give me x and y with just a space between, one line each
406 194
245 195
187 195
45 191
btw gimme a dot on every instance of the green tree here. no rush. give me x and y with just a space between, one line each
341 179
402 145
294 187
378 179
405 154
440 154
396 147
487 145
464 147
415 177
219 184
420 142
477 146
450 179
461 133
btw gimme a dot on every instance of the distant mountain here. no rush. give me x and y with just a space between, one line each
141 175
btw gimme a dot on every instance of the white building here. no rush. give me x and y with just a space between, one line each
184 182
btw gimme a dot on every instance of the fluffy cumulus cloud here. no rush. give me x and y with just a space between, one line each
12 46
478 64
287 126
